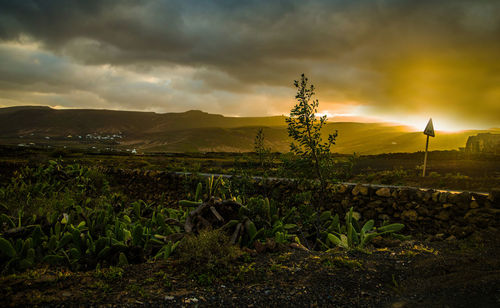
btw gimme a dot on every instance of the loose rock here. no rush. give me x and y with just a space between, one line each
383 192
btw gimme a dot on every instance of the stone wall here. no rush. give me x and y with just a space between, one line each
429 213
426 212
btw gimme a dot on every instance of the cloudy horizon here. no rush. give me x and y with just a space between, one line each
396 61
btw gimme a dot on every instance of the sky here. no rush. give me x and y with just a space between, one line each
396 61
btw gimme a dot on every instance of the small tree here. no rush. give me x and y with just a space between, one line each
259 147
305 129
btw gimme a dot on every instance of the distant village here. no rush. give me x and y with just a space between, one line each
104 138
91 136
483 143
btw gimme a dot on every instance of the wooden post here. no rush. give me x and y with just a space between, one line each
425 157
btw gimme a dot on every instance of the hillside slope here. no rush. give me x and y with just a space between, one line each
199 131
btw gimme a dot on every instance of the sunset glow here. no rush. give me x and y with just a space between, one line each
400 64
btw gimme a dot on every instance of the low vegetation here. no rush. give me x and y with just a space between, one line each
68 215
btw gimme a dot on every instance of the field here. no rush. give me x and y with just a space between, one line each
451 170
74 232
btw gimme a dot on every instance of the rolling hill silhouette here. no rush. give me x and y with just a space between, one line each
200 131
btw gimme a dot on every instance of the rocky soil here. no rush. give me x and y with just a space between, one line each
448 273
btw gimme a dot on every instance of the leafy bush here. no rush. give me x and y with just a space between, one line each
352 235
207 254
259 220
68 217
51 189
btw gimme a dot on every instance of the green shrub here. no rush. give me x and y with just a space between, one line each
209 252
352 234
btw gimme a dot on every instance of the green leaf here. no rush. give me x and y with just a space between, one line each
160 219
343 241
326 215
267 209
336 222
230 224
188 203
100 243
243 212
122 259
137 209
67 237
54 259
127 235
197 194
25 263
6 219
368 226
103 253
81 225
348 217
391 228
256 235
137 235
53 243
74 254
250 227
156 241
6 248
57 230
367 238
350 232
27 244
334 239
77 240
37 235
355 237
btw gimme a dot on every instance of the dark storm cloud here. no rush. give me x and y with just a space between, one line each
392 57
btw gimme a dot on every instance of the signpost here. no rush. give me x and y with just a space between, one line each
429 131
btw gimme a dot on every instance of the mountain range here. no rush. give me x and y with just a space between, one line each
195 130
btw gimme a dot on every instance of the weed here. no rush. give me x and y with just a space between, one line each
276 266
101 286
136 290
352 235
246 257
396 287
340 262
205 279
209 252
245 270
165 279
109 274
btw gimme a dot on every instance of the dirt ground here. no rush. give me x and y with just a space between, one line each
413 274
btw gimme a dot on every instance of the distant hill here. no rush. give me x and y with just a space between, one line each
200 131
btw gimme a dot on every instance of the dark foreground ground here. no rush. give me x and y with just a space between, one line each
446 273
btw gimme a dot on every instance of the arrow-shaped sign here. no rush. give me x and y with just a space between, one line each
429 129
